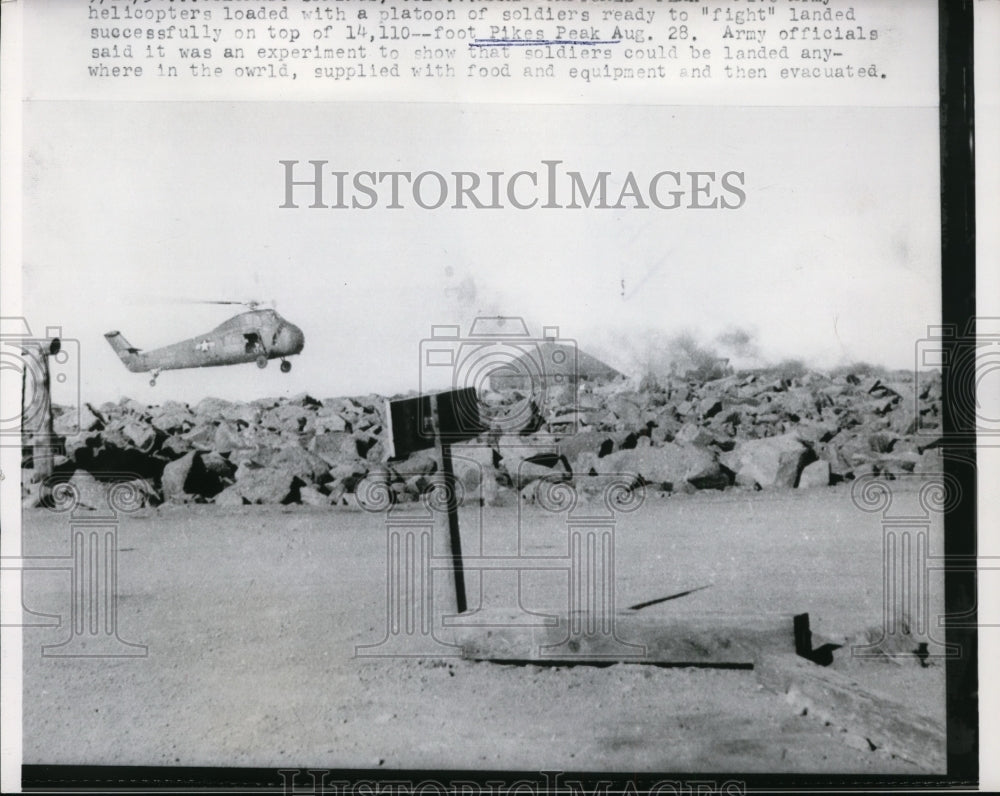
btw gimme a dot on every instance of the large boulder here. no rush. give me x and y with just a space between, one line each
694 435
626 409
142 435
297 461
172 417
566 422
240 413
258 455
194 475
114 435
544 465
896 464
227 438
287 417
585 464
348 474
304 399
521 418
334 447
930 462
599 443
709 406
328 419
175 477
815 432
669 466
815 474
211 408
474 465
798 404
88 492
218 466
904 422
230 497
202 435
76 421
768 463
345 407
882 441
119 456
264 485
420 463
313 496
601 419
373 447
80 449
130 406
849 453
514 449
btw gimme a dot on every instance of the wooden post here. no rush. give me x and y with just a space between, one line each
446 532
36 411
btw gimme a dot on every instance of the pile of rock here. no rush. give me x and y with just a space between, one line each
761 430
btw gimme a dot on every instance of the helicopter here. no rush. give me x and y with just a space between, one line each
256 335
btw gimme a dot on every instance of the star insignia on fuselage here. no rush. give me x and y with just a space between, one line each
205 345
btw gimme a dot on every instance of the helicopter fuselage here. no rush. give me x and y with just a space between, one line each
254 336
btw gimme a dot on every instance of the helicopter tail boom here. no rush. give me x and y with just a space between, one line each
127 353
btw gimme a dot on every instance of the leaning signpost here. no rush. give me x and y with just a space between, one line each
437 421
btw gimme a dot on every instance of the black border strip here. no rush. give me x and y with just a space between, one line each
382 782
958 294
958 310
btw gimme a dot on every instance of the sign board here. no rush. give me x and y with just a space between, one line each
411 421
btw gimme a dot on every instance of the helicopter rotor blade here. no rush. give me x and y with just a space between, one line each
252 303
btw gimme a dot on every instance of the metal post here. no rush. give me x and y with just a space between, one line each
446 531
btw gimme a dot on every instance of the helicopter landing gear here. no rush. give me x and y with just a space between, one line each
262 361
285 366
152 381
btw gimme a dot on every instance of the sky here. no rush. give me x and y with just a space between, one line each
132 209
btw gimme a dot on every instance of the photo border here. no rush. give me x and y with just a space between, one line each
958 286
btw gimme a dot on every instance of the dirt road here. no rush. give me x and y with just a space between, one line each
252 618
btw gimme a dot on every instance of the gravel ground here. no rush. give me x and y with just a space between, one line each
251 617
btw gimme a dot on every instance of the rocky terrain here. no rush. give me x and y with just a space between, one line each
765 430
758 520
